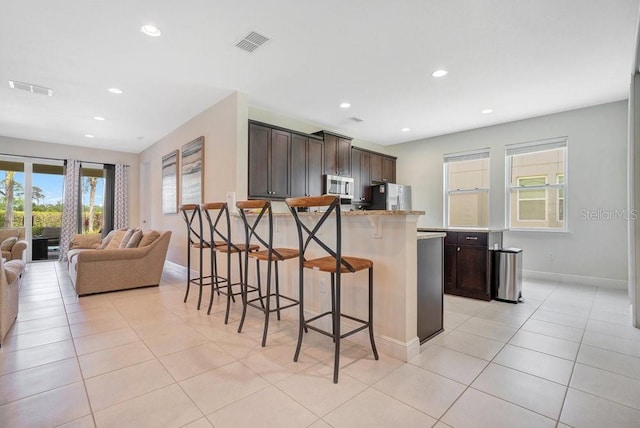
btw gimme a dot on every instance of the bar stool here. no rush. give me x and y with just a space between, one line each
217 216
334 263
193 218
271 256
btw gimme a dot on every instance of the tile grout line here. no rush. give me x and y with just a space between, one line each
75 350
564 399
489 363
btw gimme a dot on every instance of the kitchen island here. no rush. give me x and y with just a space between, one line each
389 239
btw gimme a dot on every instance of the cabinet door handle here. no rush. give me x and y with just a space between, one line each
458 249
472 238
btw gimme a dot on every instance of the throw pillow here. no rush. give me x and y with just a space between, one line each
106 240
126 237
148 238
135 239
8 244
116 240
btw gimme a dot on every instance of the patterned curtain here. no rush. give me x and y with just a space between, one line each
70 215
121 200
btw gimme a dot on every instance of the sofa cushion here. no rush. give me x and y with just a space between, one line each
116 240
126 238
8 243
84 241
135 239
105 241
148 238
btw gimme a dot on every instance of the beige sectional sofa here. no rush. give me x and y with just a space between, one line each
10 281
17 248
95 270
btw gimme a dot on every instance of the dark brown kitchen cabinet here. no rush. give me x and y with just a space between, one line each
467 269
269 162
376 168
306 165
383 168
389 169
337 154
360 171
368 168
356 160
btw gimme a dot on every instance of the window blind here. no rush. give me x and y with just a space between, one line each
536 146
466 156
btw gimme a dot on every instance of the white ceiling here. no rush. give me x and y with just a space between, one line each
520 58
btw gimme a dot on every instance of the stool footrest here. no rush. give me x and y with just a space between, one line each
365 324
273 309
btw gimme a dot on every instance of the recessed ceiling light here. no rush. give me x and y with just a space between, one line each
487 111
406 129
89 135
99 118
115 91
439 73
151 30
345 105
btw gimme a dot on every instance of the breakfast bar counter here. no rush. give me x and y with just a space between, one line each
389 239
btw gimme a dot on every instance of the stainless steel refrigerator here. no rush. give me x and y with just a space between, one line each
390 196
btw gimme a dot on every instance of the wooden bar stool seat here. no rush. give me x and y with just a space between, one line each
336 264
271 256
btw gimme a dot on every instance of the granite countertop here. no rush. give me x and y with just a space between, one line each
460 229
381 212
348 213
430 235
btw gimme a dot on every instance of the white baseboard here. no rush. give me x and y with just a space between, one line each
385 345
575 279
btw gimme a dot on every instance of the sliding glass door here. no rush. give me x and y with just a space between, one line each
31 197
47 183
92 188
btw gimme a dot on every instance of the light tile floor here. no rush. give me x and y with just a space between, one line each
568 356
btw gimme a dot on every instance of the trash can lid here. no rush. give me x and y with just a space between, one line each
512 250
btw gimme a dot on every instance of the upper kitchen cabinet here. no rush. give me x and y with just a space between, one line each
369 168
269 162
383 168
360 171
389 169
306 165
337 153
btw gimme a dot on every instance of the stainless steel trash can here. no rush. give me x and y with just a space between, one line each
508 274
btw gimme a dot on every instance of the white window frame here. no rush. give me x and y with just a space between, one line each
558 199
532 147
458 157
531 199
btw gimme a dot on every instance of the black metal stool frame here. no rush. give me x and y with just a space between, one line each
224 246
273 256
341 264
191 212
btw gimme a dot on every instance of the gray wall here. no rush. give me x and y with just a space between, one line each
597 155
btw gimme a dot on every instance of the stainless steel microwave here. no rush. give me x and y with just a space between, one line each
338 186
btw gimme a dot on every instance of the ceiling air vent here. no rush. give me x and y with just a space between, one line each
252 41
30 87
356 119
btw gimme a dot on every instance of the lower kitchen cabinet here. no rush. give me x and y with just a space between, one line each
467 268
